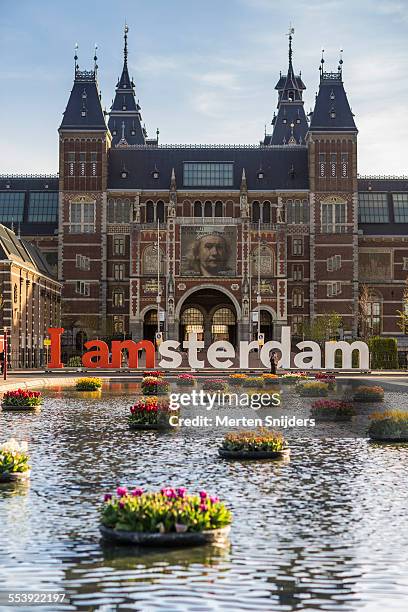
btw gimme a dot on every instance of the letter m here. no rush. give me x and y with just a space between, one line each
346 354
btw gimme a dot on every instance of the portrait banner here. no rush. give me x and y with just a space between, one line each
208 250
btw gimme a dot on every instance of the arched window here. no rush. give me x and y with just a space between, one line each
256 212
150 260
193 321
198 209
334 215
149 212
118 211
160 211
297 298
223 316
208 209
264 256
266 212
15 294
218 209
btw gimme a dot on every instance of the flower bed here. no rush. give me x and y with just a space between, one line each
154 385
327 378
14 461
21 400
270 379
186 380
154 373
88 384
150 413
292 377
253 381
332 410
236 380
313 389
215 384
169 517
368 394
261 444
389 426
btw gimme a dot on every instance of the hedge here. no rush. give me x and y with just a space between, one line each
384 353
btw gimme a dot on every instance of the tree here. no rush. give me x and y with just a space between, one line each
323 327
402 315
364 301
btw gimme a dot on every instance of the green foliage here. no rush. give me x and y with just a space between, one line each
384 353
75 362
164 512
312 389
253 381
323 327
391 424
13 457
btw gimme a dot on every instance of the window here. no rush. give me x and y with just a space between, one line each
344 165
266 213
373 208
333 164
297 325
208 209
83 288
297 211
118 325
297 246
256 212
11 206
82 262
15 294
264 257
118 298
94 156
71 156
82 217
119 211
160 211
405 263
149 262
322 164
333 217
374 317
333 289
297 298
400 201
297 272
208 174
118 271
43 207
198 209
119 245
149 212
219 209
333 263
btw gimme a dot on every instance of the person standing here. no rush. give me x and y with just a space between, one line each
274 362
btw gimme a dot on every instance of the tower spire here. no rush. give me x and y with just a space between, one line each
76 59
125 48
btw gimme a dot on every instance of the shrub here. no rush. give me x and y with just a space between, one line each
167 511
253 441
186 380
13 457
384 353
215 384
154 373
22 398
391 424
253 381
332 410
154 385
236 380
369 394
75 362
150 411
313 389
88 384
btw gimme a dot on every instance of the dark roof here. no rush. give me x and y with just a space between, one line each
21 251
283 78
84 109
26 185
332 111
282 167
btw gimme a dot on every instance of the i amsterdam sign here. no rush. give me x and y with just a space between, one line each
219 354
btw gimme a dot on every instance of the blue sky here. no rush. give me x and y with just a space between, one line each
205 72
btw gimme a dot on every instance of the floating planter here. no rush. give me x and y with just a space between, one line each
154 385
170 517
215 384
253 381
332 410
150 413
313 389
186 380
369 394
261 444
292 378
236 380
88 384
389 426
154 373
327 378
21 400
14 461
270 379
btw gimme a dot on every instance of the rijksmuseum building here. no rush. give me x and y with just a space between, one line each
216 239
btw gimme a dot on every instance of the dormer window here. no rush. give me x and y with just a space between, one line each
124 174
124 107
8 185
155 174
298 120
284 121
83 113
332 96
260 174
114 133
46 186
84 95
133 133
332 114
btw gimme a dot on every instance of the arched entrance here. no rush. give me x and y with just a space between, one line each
267 325
150 325
211 313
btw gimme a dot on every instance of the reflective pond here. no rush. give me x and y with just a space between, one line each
326 530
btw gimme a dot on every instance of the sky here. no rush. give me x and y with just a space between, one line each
205 72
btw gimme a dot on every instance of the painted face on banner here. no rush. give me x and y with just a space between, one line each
212 255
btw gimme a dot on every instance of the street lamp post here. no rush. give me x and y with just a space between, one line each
158 278
258 297
5 351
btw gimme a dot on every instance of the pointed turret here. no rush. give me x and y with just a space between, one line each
84 109
125 121
290 124
332 112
